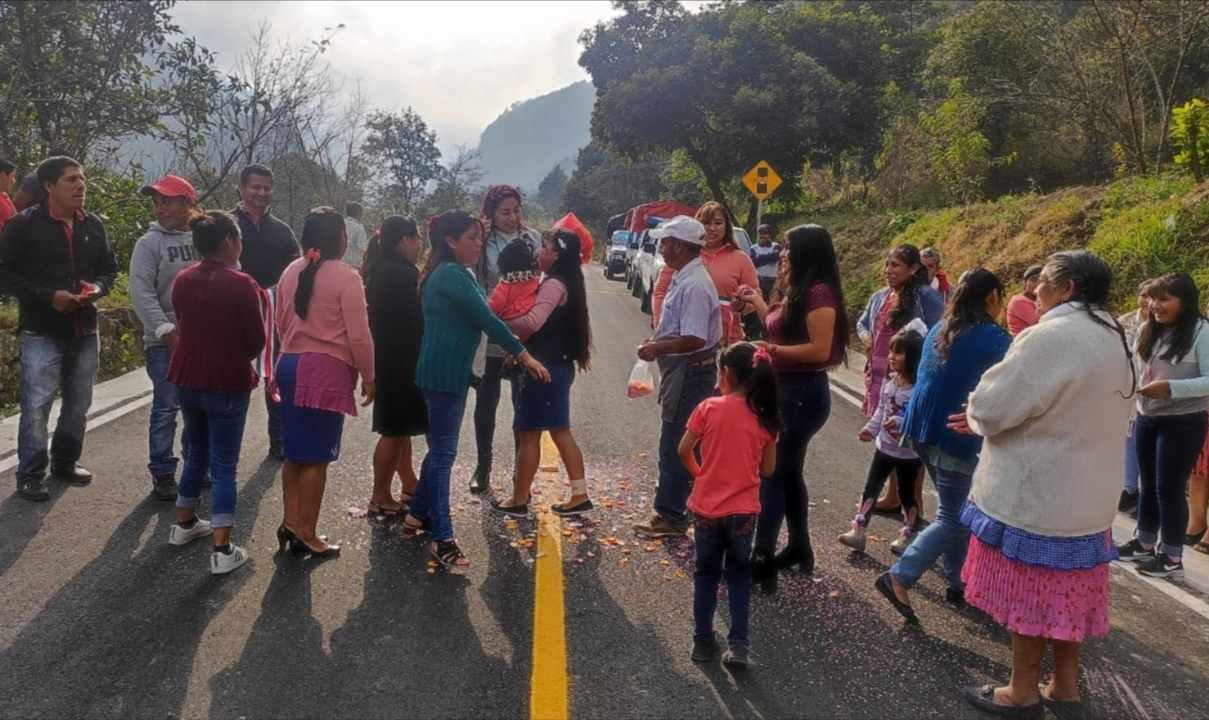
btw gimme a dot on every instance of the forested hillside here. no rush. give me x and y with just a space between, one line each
524 144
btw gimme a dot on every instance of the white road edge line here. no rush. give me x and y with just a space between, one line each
94 423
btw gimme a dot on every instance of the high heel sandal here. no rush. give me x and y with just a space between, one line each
299 547
449 555
284 537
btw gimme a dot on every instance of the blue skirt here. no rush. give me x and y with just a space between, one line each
544 406
309 436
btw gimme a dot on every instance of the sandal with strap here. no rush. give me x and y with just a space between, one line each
413 526
1202 547
449 554
374 508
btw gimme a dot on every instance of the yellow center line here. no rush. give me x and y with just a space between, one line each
548 685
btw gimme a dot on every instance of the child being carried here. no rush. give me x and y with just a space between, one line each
516 292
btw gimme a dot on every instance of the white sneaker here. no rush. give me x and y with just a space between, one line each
178 535
223 563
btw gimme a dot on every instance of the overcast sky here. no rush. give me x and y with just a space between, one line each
459 64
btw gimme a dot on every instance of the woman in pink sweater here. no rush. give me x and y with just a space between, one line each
729 267
325 345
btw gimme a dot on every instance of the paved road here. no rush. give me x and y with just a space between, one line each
101 618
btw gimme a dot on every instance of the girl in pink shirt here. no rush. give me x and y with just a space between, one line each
737 434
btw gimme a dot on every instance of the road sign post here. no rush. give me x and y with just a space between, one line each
761 181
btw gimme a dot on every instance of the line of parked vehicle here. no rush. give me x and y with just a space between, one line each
634 256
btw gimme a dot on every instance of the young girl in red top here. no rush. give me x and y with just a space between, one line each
737 433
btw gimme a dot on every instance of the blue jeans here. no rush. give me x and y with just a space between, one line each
161 435
805 407
1168 446
431 500
1131 458
723 543
946 535
50 365
675 484
214 424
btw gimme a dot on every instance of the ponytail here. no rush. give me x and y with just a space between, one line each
211 229
752 370
322 239
385 241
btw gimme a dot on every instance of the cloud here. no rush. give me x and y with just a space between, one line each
459 64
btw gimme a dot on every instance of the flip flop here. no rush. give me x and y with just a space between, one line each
1202 547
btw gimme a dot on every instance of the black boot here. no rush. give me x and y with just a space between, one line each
480 482
764 571
802 557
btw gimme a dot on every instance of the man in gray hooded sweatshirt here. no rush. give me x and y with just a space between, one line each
158 256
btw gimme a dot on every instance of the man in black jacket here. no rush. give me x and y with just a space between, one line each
268 247
56 260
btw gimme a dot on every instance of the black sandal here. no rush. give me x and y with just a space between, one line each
413 526
449 554
983 698
885 586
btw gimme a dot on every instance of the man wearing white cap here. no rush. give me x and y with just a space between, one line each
686 346
158 256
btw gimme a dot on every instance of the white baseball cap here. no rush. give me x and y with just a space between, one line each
682 228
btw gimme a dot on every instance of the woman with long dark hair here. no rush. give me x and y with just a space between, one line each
1173 347
392 291
453 301
907 296
502 214
557 332
1044 496
807 335
325 345
957 351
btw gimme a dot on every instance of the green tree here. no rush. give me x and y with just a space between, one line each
407 155
80 77
550 189
605 183
456 184
1190 136
737 83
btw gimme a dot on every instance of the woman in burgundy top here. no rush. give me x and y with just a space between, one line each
220 316
807 334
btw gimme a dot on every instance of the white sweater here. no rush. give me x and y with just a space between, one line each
1053 414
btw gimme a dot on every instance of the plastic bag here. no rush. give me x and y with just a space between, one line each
573 223
644 380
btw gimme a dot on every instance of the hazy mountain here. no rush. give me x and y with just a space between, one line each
531 136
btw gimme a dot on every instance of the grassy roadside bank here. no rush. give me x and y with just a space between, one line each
1143 227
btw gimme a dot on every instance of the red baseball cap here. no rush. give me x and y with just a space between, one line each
172 186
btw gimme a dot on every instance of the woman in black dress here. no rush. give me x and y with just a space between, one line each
391 289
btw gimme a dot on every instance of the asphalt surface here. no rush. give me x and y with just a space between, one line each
102 618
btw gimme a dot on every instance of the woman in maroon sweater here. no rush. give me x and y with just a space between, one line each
220 315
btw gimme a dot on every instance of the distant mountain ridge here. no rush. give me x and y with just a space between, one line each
530 137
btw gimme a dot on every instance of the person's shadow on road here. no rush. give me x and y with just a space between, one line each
21 521
119 639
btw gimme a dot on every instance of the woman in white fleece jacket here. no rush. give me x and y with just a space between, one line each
1045 491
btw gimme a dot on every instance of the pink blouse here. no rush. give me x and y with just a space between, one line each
337 320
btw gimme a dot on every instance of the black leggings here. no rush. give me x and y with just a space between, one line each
907 471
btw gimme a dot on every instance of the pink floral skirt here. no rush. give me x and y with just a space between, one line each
1036 601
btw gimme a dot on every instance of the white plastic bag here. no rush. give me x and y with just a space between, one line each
644 380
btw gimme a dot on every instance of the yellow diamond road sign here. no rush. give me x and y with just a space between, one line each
762 180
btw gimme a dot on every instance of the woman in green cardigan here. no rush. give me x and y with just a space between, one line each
455 317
